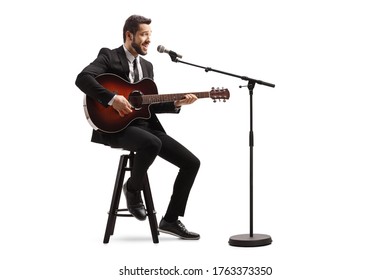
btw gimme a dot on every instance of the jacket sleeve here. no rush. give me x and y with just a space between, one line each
87 83
168 107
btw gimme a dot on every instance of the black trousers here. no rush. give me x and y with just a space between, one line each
148 144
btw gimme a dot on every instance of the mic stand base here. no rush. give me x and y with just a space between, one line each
246 240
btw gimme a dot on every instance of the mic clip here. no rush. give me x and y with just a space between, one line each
174 56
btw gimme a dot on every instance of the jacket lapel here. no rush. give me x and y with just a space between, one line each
123 61
146 71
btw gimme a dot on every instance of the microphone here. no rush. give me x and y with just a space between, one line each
162 49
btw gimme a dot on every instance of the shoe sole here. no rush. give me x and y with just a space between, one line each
174 234
139 219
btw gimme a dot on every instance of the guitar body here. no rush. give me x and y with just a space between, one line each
107 119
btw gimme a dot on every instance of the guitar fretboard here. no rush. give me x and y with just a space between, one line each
161 98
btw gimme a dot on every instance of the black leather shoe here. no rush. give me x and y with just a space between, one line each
135 204
177 229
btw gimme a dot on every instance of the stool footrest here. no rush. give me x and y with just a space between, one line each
121 215
126 215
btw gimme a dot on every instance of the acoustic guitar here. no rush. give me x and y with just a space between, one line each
140 96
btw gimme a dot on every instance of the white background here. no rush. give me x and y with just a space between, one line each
321 138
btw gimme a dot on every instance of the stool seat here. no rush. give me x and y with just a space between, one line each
126 164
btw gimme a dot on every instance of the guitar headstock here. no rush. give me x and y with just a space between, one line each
220 94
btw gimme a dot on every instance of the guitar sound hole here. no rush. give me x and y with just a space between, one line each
135 99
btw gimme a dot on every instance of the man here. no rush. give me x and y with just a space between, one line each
146 137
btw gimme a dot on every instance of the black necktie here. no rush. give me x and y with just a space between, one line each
135 70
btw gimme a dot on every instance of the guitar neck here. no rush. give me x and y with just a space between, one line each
161 98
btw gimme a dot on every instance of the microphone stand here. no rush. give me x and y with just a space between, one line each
251 239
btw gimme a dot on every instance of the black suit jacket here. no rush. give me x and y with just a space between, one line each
115 62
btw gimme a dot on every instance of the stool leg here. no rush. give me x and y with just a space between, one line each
150 209
115 198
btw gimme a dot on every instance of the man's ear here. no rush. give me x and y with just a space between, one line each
129 35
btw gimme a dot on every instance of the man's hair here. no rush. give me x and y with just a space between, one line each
132 24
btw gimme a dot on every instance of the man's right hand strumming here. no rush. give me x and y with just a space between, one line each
122 105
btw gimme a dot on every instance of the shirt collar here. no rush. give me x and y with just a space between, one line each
129 56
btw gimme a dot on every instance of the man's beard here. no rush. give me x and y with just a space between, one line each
138 49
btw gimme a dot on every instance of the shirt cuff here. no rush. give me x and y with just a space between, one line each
111 101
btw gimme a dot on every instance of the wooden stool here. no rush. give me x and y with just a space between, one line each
115 212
